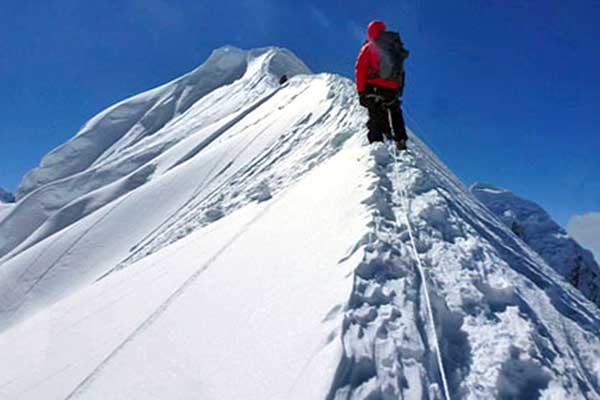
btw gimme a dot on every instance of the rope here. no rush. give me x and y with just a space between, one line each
436 342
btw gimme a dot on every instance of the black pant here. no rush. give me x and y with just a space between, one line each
384 105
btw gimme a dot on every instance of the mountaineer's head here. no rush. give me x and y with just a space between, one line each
374 30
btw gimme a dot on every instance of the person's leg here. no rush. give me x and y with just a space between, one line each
398 121
376 113
393 113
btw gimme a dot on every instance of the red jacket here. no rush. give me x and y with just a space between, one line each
367 63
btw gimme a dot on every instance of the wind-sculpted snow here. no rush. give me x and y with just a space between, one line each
267 252
535 227
127 137
131 120
266 143
246 307
301 144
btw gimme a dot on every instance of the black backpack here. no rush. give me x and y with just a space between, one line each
391 56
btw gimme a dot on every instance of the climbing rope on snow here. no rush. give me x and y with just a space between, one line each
406 205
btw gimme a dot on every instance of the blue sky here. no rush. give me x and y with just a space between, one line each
506 92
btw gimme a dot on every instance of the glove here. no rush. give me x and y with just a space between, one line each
363 99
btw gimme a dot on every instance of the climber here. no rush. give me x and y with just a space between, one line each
380 83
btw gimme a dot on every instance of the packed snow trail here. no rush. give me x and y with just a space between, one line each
433 329
503 316
386 301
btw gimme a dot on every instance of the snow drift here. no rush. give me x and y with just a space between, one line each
226 237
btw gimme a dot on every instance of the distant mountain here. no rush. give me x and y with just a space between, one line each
6 196
534 225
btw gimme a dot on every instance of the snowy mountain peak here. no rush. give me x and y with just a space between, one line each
535 227
226 237
120 145
136 119
280 61
266 62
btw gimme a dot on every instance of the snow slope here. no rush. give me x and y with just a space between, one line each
532 224
6 203
251 160
206 308
5 210
267 254
129 143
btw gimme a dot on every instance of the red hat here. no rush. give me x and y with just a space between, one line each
374 29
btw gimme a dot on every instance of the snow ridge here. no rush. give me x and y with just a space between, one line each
251 155
485 290
385 329
133 141
422 274
293 243
536 228
219 193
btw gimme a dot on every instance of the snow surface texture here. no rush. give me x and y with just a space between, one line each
264 253
5 209
535 227
123 147
6 203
